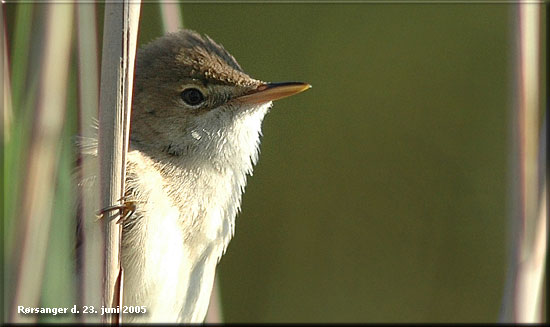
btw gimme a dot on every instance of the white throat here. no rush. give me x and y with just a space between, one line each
211 175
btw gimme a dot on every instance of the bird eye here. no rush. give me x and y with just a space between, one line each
192 96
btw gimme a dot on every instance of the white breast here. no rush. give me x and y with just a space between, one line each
184 220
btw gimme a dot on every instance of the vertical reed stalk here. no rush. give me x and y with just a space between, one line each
90 278
171 16
117 71
532 246
523 294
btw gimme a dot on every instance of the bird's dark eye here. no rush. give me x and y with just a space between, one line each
192 96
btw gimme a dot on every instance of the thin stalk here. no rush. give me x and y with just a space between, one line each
532 239
117 71
171 16
90 279
523 293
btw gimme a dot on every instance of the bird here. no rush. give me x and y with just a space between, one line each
195 132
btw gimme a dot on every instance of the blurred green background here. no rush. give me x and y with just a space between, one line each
381 193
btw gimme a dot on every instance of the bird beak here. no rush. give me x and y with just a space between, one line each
273 91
